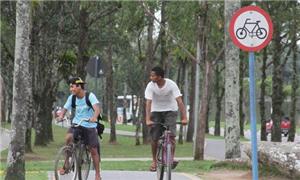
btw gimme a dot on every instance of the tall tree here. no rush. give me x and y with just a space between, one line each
110 84
241 96
219 90
295 80
191 125
8 28
232 127
21 87
263 136
163 39
278 64
201 44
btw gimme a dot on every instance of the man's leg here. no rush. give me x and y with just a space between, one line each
170 118
173 141
96 160
92 141
154 145
68 140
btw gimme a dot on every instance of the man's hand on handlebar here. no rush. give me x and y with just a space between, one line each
184 121
93 119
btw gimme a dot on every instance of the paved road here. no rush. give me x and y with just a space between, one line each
130 175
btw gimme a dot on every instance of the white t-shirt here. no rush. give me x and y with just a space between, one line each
164 98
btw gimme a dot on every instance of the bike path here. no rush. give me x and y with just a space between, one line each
130 175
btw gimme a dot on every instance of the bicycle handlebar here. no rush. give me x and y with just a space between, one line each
61 120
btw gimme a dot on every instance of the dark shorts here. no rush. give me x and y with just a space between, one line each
167 117
89 135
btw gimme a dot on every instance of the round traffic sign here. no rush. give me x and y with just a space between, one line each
251 28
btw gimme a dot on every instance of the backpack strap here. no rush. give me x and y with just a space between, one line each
73 105
88 102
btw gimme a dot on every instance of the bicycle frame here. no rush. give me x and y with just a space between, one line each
164 157
256 25
166 141
79 153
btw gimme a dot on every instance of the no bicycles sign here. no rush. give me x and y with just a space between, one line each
251 28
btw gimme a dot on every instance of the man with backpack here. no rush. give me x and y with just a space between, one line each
86 107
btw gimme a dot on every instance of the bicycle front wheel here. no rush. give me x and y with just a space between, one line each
84 163
65 166
169 162
160 162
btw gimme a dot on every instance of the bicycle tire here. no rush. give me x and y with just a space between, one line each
261 33
84 163
169 162
159 162
241 33
60 161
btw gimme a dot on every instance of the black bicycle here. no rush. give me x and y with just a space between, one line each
164 158
256 30
75 159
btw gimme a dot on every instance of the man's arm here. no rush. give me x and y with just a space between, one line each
96 113
148 112
182 110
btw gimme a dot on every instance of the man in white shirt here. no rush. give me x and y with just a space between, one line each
163 98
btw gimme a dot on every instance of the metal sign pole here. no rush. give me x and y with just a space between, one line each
253 115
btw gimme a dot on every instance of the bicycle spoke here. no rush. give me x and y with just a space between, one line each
169 162
65 164
84 163
159 161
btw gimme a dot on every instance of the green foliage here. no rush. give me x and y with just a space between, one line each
287 90
268 83
67 62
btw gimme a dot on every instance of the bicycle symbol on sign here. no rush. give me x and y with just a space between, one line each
256 31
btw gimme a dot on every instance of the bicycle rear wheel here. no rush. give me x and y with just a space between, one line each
159 161
84 163
65 159
169 162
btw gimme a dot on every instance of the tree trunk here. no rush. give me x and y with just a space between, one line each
16 153
263 135
219 92
207 114
232 127
295 85
163 38
2 100
200 138
190 129
277 89
137 119
148 66
179 76
200 129
110 86
83 56
241 98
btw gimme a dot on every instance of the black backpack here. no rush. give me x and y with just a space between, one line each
100 126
